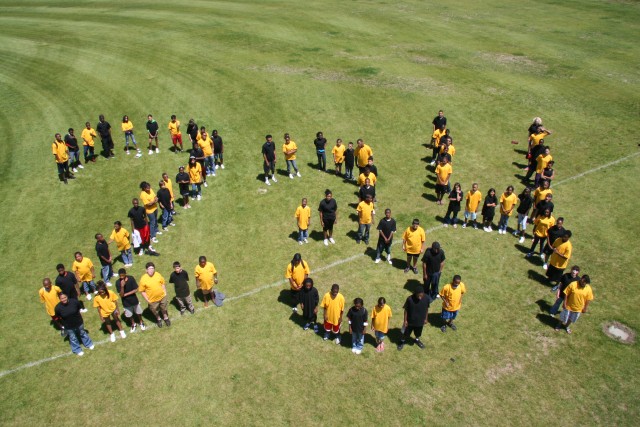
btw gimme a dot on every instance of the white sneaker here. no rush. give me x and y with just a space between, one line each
273 178
298 173
332 241
108 283
154 240
83 310
377 261
128 152
141 252
326 242
294 309
389 259
300 242
122 334
150 152
92 347
353 350
222 166
205 184
173 224
545 266
81 167
445 224
80 354
217 166
542 256
337 341
143 327
199 197
133 328
74 170
88 297
358 351
138 154
432 163
266 181
515 233
112 337
464 225
159 233
291 175
521 240
157 150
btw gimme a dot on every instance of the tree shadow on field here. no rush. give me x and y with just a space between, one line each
430 197
544 305
547 319
316 235
540 278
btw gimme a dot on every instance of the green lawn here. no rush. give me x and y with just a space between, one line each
372 69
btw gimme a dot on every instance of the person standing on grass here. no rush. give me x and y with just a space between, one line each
153 289
436 140
206 277
349 161
358 317
127 128
439 121
338 156
366 190
180 279
49 296
508 202
68 310
540 231
548 174
104 130
183 180
303 220
174 131
553 234
107 304
127 287
416 309
413 240
366 174
386 229
192 131
472 204
123 242
106 260
140 223
373 168
206 145
198 154
320 143
578 295
68 283
289 148
164 201
489 210
443 174
565 281
297 270
309 300
328 210
195 178
542 161
362 154
88 144
85 273
333 306
150 203
218 150
366 215
74 150
542 197
451 296
455 197
523 210
559 259
169 185
61 156
380 316
432 266
152 130
269 159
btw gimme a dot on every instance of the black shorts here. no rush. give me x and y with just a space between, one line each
554 273
328 224
443 188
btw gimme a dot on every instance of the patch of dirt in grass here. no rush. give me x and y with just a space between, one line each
514 61
425 60
619 332
497 372
281 69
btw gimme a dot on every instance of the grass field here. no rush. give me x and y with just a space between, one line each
378 70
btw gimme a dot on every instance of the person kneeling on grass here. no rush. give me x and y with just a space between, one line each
416 308
127 287
578 295
153 289
451 296
380 316
309 300
107 304
357 316
206 276
297 271
333 305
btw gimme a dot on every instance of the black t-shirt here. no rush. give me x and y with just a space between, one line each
433 260
269 150
320 144
525 203
181 280
102 249
67 283
565 281
387 226
555 233
130 284
358 318
536 151
547 173
183 176
70 314
349 157
533 129
103 129
72 142
139 216
455 204
192 130
542 206
362 193
152 127
417 310
439 121
489 210
328 208
197 152
164 197
217 144
374 170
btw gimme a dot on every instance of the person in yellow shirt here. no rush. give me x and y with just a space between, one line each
206 144
559 259
578 295
150 203
87 135
289 148
85 273
195 178
153 289
451 296
366 213
380 316
107 304
123 242
333 306
50 297
61 156
438 133
541 163
303 220
176 135
127 128
362 154
508 202
338 156
541 192
472 205
538 136
413 244
206 277
443 175
540 231
367 174
297 270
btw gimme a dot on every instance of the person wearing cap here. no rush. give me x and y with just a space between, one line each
451 296
432 266
578 295
153 289
565 281
183 180
413 240
416 308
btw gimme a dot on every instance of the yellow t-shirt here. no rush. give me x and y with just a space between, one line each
437 134
543 224
87 136
539 195
169 186
362 155
297 274
334 307
507 203
50 298
473 201
577 297
147 198
195 173
338 153
444 173
414 240
303 215
206 145
152 286
452 298
127 126
565 248
204 275
290 146
174 127
122 238
542 162
83 269
106 304
451 151
365 212
60 151
372 179
380 318
536 138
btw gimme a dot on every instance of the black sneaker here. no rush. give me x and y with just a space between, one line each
167 322
401 345
415 270
420 344
406 270
192 311
443 328
182 312
159 323
452 326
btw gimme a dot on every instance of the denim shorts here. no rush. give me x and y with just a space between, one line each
449 315
380 335
567 315
471 215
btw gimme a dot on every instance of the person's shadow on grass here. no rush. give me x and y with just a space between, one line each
430 197
316 235
544 305
540 278
547 319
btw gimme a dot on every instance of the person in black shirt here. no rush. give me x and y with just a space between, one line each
565 281
366 190
68 283
533 162
432 265
554 233
533 129
192 131
357 316
373 168
547 173
416 308
180 279
269 159
542 206
182 179
198 154
68 310
439 121
218 150
451 217
386 229
328 216
104 130
164 199
140 222
489 209
152 129
349 161
106 261
309 300
74 150
127 288
320 142
524 208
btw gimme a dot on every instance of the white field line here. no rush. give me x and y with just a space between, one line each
281 282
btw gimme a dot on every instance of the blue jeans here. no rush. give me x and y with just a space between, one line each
129 136
89 286
303 234
167 218
218 158
209 165
106 272
196 190
382 246
153 223
292 163
127 257
363 232
357 340
431 284
74 157
504 221
88 152
77 334
322 160
556 306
